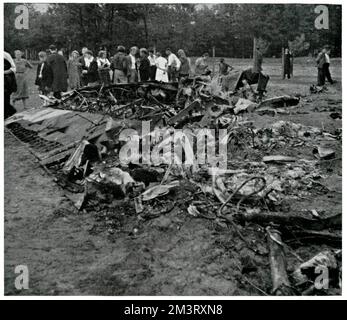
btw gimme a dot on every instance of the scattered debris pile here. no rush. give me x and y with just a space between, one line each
263 185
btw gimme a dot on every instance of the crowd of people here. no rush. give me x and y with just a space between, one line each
56 74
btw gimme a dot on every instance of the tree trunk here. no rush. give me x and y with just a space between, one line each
146 29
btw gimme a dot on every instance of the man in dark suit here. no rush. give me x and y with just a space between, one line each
59 70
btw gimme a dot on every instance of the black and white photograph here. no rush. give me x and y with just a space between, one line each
172 150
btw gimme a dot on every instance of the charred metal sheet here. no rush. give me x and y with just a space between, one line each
51 135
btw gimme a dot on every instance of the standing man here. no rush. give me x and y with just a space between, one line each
287 63
321 60
132 73
59 69
173 65
153 68
327 64
144 67
119 66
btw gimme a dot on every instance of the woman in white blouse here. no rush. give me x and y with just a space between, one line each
161 64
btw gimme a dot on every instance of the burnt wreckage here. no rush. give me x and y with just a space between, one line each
77 141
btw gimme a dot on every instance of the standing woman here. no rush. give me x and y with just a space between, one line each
184 69
90 69
74 70
161 64
104 68
22 65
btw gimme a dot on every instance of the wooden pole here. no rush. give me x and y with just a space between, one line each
283 76
292 66
214 56
254 47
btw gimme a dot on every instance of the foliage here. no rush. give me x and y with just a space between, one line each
230 28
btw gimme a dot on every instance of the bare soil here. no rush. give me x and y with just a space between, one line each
72 253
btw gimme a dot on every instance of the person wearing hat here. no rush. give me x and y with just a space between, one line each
59 70
90 69
119 66
73 70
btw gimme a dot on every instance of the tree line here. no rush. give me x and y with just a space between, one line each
230 28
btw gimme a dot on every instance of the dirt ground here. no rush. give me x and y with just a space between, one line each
71 253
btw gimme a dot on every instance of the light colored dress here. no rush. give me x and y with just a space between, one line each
22 92
161 75
73 69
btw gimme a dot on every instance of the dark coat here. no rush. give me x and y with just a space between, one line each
47 76
144 69
119 62
92 74
287 63
59 70
10 84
